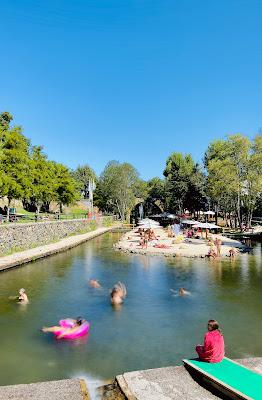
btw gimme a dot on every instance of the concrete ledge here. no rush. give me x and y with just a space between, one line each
172 383
26 256
67 389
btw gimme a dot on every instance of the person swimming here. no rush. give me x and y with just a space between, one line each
180 292
94 283
23 298
76 323
118 293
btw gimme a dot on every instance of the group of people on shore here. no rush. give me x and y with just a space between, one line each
215 249
146 235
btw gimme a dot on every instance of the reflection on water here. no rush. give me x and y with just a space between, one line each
153 328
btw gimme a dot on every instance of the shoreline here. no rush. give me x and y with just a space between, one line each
26 256
189 248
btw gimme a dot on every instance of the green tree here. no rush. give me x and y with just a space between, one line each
66 188
15 166
5 119
82 175
118 186
42 177
156 196
184 179
234 175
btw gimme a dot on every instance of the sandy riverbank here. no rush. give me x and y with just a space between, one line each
190 248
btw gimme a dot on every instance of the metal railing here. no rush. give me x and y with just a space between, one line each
41 217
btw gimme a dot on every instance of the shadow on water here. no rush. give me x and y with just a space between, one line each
153 328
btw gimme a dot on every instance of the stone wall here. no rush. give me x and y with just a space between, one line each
18 237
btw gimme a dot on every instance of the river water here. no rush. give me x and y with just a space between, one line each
154 328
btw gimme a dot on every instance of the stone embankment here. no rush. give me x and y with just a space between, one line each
26 256
22 236
191 248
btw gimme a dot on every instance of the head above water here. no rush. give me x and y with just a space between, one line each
212 325
79 320
21 291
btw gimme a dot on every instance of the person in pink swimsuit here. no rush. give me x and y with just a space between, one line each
213 350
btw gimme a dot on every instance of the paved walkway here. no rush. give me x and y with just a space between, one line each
67 389
48 249
171 383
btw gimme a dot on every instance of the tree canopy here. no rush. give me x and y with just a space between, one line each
230 179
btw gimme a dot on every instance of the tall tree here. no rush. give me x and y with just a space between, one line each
42 179
156 196
65 185
15 166
83 174
234 174
184 179
119 187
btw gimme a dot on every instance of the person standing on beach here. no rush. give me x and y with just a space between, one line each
218 244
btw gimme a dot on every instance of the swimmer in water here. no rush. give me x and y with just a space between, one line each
76 323
94 283
181 292
22 298
118 293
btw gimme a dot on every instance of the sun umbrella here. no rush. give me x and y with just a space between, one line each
148 221
206 225
209 213
189 222
149 226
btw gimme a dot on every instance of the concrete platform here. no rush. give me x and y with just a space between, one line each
172 383
67 389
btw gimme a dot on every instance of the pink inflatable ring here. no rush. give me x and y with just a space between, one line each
69 323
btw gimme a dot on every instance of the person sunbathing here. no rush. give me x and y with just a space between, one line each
161 246
118 293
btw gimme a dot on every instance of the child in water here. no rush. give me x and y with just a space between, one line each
213 350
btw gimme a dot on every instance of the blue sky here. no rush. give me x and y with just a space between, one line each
131 80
